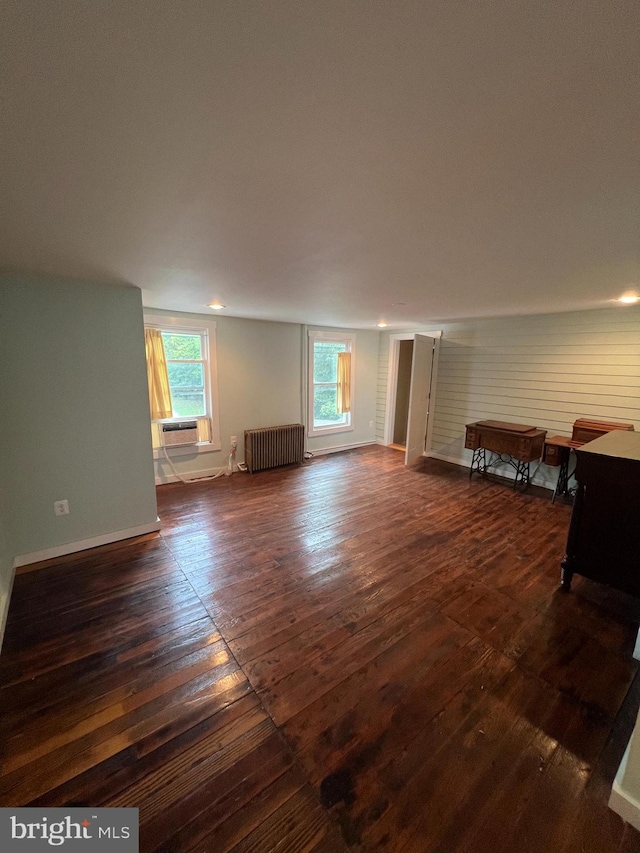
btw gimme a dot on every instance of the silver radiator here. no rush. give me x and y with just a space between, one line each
273 446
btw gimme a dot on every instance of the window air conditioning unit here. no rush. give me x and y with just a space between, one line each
178 434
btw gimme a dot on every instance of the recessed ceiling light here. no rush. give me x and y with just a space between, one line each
629 299
216 306
381 325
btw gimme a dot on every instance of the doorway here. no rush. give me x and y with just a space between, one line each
413 364
403 386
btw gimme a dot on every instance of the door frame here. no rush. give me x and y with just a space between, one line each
392 380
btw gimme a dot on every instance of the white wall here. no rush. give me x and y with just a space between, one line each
75 421
543 370
262 382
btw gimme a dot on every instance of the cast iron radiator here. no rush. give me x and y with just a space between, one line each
273 446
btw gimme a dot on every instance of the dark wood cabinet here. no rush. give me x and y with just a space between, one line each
604 534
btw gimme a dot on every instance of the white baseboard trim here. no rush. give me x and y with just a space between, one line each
621 801
323 451
84 544
163 479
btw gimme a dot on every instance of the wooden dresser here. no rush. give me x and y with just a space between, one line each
604 534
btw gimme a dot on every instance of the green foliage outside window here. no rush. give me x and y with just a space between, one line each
182 346
186 380
325 369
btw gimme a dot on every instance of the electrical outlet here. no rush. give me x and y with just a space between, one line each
61 507
370 424
234 441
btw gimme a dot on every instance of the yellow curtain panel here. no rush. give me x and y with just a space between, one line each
344 382
157 376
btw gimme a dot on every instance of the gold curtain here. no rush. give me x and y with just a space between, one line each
344 382
157 376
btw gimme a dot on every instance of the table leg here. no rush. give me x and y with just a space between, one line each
478 462
522 477
562 486
568 562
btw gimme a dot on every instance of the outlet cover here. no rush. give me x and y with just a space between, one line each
61 507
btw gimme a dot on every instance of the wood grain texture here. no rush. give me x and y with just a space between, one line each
343 655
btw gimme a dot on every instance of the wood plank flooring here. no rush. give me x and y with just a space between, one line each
342 656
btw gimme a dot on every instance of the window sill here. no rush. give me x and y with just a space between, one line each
319 431
187 450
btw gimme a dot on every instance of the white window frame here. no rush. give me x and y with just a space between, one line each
207 330
349 339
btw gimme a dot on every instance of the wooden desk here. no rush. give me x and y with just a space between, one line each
587 429
604 534
513 444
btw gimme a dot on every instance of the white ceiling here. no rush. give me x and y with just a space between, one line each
320 161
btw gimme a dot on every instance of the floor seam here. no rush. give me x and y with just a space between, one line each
277 728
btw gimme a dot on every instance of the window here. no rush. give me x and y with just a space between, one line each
329 409
186 366
190 351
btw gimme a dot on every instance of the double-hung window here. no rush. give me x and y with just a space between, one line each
187 358
331 387
190 353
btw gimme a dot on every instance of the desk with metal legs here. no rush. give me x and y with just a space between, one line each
513 444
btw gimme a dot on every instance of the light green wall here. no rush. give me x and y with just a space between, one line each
6 549
262 382
258 384
76 416
6 555
258 376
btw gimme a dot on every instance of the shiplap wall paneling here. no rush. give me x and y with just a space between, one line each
383 371
545 370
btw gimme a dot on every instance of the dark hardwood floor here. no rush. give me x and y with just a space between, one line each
342 656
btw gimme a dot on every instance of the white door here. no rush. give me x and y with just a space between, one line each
420 391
